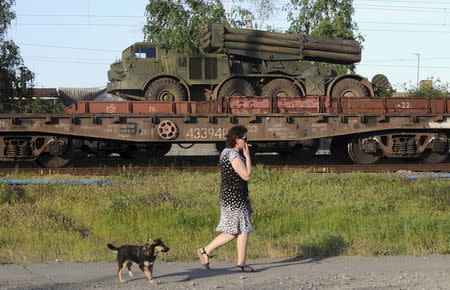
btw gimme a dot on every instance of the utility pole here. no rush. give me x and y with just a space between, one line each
418 69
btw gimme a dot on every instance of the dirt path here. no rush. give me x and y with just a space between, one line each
412 272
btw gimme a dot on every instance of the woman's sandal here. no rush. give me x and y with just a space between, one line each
200 253
245 268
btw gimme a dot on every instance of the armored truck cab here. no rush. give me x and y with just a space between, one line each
149 71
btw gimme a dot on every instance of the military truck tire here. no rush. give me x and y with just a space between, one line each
237 87
165 89
349 88
280 88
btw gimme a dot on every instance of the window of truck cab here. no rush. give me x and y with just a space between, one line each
145 52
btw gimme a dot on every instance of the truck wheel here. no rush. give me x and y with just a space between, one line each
237 87
349 88
165 89
280 88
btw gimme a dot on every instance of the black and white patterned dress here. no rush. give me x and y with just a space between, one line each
235 206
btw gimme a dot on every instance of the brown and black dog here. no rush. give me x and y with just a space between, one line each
144 256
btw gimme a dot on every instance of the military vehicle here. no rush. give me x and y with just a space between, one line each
241 62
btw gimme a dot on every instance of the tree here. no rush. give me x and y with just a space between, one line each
179 24
255 16
325 18
16 80
436 89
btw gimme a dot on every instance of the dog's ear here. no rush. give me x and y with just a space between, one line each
151 242
146 250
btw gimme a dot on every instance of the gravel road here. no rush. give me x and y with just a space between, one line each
387 272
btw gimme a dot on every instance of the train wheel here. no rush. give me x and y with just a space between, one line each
133 153
165 89
159 149
358 155
338 148
237 87
430 157
281 88
220 146
306 151
61 153
349 88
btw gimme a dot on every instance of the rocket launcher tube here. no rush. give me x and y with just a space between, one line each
273 45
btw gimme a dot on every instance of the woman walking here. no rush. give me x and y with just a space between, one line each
235 207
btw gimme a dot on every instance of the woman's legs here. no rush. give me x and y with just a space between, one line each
220 240
241 245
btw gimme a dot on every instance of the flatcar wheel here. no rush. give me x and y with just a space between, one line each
159 149
61 154
220 146
358 155
338 148
304 152
430 157
133 153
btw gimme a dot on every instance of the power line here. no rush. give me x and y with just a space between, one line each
401 23
68 47
405 66
65 61
79 15
80 24
413 31
403 1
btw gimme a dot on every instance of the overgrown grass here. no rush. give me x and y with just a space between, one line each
296 214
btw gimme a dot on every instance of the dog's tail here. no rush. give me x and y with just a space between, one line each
112 248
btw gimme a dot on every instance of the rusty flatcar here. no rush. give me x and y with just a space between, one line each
362 129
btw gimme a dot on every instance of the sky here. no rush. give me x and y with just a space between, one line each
72 43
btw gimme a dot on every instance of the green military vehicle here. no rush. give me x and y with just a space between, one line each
241 62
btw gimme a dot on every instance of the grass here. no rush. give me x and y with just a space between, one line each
295 214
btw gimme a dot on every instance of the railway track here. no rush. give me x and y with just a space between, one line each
111 171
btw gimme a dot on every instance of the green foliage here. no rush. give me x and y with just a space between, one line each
16 80
295 214
325 18
437 90
179 24
244 17
40 106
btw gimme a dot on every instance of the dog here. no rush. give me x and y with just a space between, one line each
144 256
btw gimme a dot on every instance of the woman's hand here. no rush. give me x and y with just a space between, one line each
246 151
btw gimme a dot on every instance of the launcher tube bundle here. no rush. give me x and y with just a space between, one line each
265 45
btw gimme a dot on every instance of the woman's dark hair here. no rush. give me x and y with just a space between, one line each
234 133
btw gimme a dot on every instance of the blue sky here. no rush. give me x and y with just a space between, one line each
72 43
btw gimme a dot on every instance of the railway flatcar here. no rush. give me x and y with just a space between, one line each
362 130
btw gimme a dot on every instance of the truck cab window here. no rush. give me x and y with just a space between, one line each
145 52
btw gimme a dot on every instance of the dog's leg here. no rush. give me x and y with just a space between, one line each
129 269
148 272
119 272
